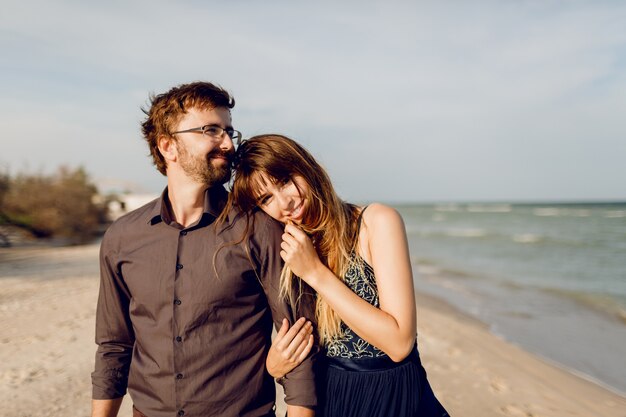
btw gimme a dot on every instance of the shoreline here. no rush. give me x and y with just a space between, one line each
429 301
561 331
505 375
47 306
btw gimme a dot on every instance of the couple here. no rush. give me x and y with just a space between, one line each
192 282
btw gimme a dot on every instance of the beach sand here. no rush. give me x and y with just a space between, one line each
47 306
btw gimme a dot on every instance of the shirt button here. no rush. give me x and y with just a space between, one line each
177 302
181 412
179 376
179 339
179 266
183 233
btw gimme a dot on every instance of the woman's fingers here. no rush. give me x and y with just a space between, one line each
297 340
282 331
304 349
295 231
285 336
290 347
289 239
288 247
294 330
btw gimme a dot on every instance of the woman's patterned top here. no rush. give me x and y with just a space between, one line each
360 279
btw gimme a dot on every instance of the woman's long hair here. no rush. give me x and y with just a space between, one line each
330 222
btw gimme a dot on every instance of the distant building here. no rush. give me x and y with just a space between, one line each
123 203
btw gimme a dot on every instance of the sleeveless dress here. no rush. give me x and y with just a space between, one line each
361 380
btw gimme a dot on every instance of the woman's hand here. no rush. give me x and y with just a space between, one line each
298 252
290 347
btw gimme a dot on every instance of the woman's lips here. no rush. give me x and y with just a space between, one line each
296 214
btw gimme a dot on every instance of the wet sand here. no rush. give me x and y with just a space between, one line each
47 306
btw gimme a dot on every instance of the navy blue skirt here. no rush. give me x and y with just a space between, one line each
378 387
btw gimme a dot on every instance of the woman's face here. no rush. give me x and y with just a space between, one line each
284 200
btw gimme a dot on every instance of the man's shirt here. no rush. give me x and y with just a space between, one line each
184 315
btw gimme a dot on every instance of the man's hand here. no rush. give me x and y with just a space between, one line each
105 408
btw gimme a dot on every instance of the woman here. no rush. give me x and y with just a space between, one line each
357 261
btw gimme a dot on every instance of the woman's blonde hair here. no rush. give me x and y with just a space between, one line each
330 222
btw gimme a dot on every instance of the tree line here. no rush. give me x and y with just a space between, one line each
63 204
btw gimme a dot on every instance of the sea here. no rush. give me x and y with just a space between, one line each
550 278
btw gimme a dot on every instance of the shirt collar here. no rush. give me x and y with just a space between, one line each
214 202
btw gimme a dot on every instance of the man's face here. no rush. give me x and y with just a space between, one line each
203 158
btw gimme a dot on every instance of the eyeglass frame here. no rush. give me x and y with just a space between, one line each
236 135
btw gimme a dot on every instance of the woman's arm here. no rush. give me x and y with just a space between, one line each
391 327
289 347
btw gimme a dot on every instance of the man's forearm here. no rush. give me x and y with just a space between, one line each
105 408
297 411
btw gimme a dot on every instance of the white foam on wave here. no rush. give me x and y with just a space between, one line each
614 214
547 211
555 212
438 217
466 232
428 269
489 208
527 238
447 207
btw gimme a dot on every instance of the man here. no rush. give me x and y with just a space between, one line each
186 303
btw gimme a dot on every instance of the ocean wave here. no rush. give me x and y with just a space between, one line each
602 303
548 212
411 230
560 211
613 214
447 207
468 232
495 237
447 232
527 238
490 208
423 269
435 269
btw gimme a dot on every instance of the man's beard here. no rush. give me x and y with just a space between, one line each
202 170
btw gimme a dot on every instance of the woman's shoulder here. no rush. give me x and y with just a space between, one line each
378 214
380 225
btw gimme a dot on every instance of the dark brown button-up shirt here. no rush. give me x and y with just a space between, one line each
184 316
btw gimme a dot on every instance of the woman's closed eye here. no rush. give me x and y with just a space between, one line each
264 200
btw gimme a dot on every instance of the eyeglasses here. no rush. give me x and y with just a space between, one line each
215 132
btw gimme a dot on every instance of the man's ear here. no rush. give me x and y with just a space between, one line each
167 147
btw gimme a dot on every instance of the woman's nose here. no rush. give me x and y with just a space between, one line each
284 202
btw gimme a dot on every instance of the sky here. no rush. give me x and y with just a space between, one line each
401 101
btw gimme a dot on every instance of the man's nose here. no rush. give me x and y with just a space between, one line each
226 143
